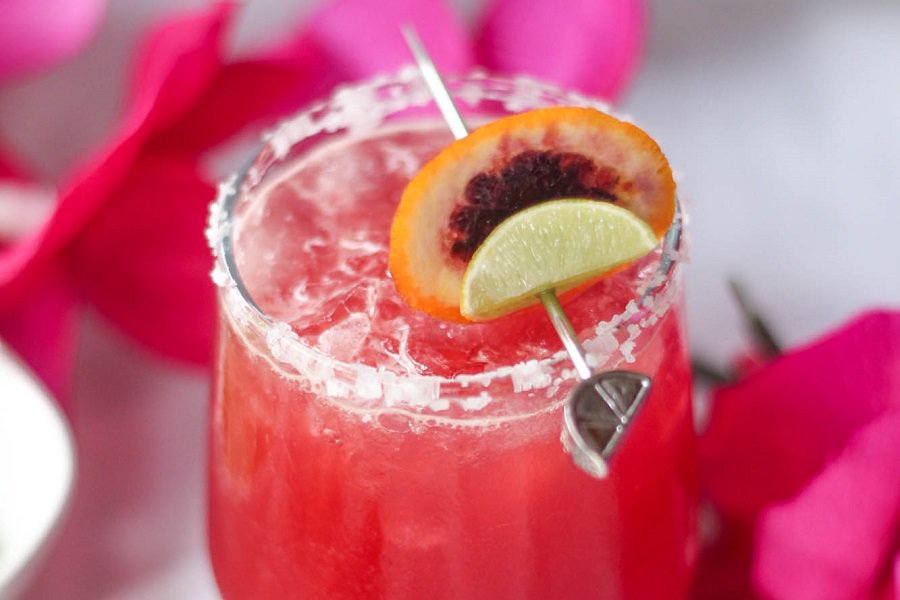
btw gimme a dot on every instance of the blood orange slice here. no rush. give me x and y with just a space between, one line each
459 197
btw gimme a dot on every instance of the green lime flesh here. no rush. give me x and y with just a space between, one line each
556 245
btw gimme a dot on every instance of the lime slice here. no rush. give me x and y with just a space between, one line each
553 245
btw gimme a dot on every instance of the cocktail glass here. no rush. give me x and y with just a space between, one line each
361 450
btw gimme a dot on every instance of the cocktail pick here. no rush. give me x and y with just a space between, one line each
600 408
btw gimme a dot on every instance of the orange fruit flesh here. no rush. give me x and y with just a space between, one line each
458 197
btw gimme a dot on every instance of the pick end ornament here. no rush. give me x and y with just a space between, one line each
596 417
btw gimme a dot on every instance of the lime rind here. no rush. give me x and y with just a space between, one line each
555 245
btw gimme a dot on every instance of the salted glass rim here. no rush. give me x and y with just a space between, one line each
366 386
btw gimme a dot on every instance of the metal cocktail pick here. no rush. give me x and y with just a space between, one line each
601 406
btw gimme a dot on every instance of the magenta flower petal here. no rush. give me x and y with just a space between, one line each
723 568
38 33
840 531
226 109
40 329
182 57
590 45
143 261
357 38
342 41
138 219
892 589
11 167
771 433
176 64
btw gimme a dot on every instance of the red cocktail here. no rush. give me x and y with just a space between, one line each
360 449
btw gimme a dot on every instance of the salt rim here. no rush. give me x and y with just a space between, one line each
358 109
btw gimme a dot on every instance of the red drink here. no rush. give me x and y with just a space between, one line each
369 451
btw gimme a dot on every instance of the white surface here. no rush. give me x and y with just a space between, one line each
135 529
37 468
783 116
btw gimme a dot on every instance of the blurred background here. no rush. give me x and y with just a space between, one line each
782 118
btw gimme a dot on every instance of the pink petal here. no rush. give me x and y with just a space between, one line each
358 38
723 568
38 33
771 433
143 261
41 330
589 45
325 53
182 57
225 108
896 583
841 530
11 167
176 64
748 362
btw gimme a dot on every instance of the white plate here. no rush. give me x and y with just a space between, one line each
37 469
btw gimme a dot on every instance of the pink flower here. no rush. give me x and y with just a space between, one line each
581 44
126 231
38 33
802 461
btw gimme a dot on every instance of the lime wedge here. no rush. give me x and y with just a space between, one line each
553 245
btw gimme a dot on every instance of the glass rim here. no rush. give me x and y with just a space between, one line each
285 346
